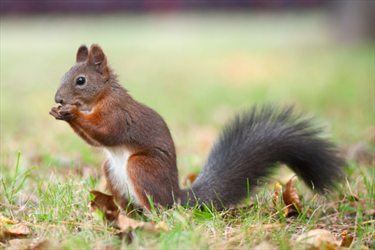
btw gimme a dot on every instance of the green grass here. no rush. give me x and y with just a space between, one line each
196 70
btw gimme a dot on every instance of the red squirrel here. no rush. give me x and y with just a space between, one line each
141 154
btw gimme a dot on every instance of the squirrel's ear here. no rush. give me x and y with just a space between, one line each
98 59
82 54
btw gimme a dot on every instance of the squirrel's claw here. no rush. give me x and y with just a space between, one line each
54 113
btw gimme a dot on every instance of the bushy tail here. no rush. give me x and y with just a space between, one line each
252 145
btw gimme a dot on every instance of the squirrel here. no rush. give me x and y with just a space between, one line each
141 154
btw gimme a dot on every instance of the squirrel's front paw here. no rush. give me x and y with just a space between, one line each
66 113
55 113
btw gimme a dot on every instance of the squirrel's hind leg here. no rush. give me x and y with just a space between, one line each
150 178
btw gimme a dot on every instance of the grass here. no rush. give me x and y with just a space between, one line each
196 71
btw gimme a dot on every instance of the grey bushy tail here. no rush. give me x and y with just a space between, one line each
252 145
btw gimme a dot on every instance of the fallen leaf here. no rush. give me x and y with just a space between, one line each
5 220
127 224
286 211
290 197
189 179
347 241
19 230
104 203
343 234
319 239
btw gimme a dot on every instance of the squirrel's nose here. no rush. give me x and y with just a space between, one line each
58 99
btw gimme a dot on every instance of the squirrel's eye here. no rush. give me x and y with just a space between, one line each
80 81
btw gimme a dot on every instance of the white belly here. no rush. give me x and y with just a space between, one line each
117 171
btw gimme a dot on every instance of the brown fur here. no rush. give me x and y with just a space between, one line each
114 119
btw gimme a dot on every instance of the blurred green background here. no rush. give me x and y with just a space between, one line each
196 69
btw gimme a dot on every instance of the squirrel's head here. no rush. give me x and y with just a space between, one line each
86 82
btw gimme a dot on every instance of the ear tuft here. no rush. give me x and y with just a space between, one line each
82 54
98 59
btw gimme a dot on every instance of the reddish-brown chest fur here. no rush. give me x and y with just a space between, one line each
141 154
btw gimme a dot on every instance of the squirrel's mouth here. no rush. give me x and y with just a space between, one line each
77 104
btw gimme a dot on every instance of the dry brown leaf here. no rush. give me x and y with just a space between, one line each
127 224
347 241
19 230
290 197
5 220
104 203
286 211
319 239
189 179
343 234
